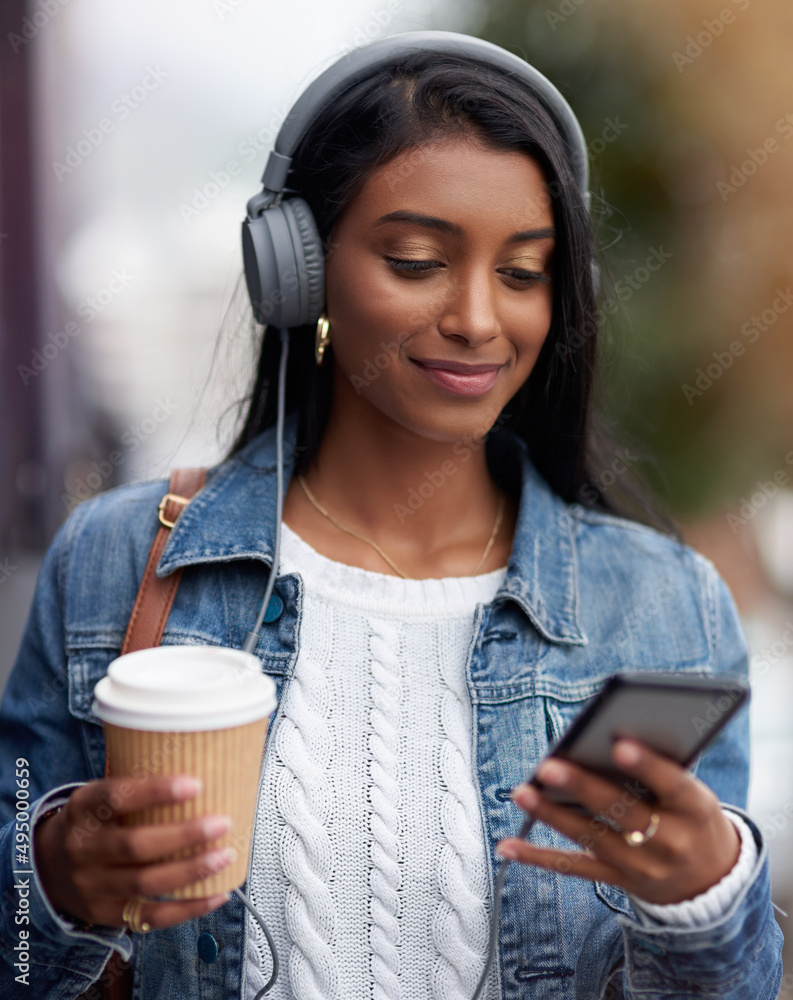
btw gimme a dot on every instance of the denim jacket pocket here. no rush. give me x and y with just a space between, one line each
559 713
88 658
87 664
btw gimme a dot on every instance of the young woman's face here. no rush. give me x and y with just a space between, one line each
439 287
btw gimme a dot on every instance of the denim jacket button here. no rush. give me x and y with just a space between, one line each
208 948
275 607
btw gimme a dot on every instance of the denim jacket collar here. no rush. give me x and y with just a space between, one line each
232 518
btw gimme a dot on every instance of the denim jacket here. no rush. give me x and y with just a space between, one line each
585 595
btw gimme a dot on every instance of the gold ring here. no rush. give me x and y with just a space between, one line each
131 915
635 838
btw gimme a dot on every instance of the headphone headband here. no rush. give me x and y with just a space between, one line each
363 62
282 250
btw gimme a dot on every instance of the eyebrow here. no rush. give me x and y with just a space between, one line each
444 226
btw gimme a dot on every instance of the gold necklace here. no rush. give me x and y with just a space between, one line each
315 503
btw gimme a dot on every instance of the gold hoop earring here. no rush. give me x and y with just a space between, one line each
322 338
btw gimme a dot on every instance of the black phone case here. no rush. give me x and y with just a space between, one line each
716 691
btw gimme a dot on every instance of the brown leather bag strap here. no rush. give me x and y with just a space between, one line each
156 596
146 626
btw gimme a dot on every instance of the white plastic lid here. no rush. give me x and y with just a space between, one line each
184 689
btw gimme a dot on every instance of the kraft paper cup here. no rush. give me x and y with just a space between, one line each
195 710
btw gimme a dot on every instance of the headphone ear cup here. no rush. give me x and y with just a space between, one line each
284 265
311 266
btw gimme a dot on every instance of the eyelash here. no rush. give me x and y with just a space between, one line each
416 266
424 266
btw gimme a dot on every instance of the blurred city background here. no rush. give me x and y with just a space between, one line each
131 136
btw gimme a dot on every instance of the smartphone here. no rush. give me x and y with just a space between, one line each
675 714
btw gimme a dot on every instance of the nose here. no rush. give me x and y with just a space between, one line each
470 313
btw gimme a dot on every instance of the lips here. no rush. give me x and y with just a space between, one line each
458 377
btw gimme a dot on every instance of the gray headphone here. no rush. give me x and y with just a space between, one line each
282 251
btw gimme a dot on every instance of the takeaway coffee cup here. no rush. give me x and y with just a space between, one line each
197 710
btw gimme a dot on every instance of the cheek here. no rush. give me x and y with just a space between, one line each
365 301
360 329
370 321
532 325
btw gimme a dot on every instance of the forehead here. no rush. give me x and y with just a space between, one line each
460 180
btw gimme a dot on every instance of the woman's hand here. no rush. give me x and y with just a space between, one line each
90 866
694 846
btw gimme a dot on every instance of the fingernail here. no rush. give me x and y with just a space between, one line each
214 901
215 826
506 851
553 772
218 860
185 787
525 796
627 753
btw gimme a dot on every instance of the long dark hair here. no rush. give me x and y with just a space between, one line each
423 98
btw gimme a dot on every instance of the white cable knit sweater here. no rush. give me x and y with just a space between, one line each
369 863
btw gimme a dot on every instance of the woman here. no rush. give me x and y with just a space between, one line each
443 608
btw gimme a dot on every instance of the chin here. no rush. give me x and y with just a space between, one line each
450 427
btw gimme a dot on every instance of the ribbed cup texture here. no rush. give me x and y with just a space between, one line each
228 761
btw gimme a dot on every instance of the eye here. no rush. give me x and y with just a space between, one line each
412 266
525 279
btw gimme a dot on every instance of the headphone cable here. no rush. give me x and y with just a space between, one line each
258 918
252 638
